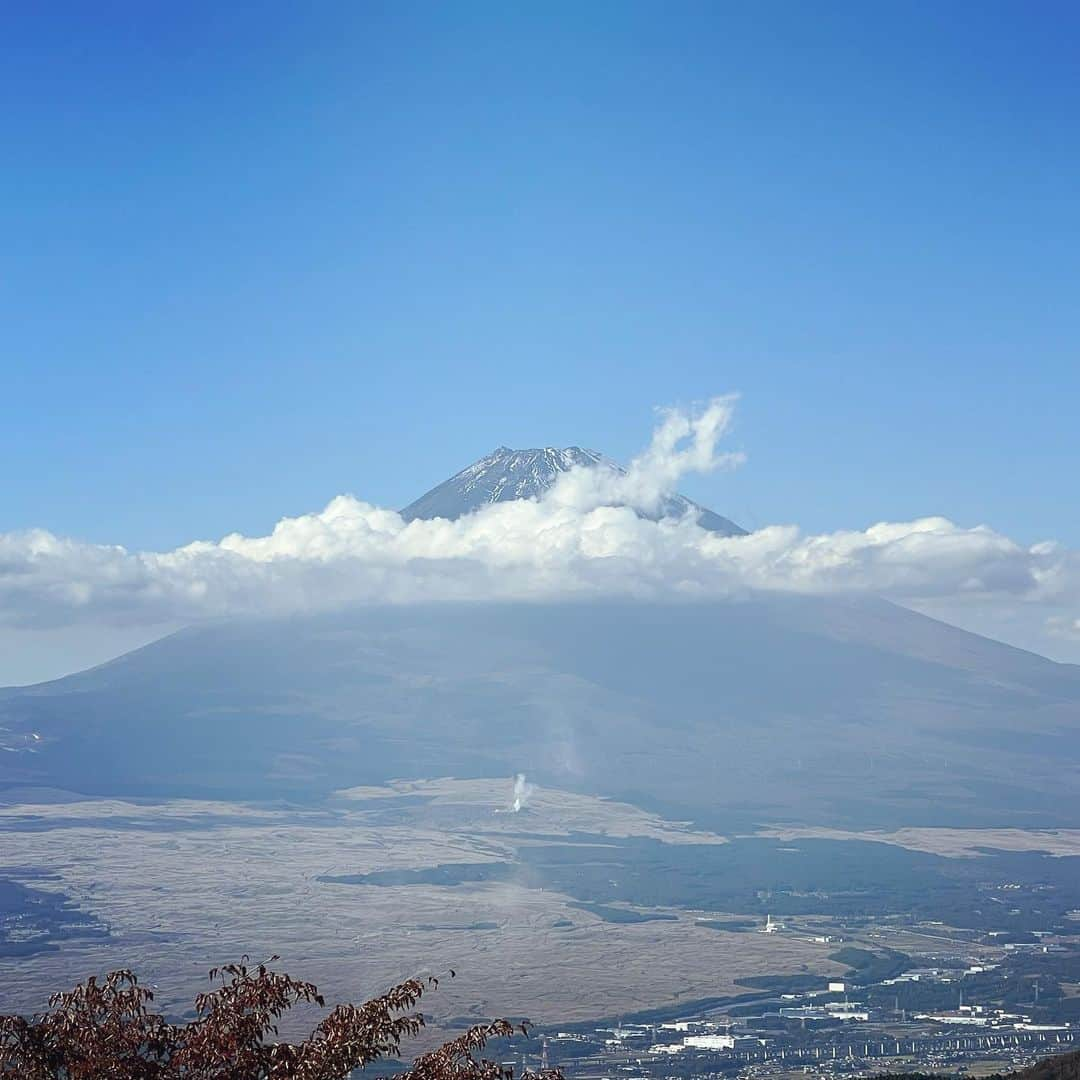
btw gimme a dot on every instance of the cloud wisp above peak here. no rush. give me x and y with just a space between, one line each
683 442
583 538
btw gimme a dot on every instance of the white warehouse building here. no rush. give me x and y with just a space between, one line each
710 1042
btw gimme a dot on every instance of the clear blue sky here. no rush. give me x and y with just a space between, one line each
255 255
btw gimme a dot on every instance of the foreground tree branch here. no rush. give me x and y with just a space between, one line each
105 1030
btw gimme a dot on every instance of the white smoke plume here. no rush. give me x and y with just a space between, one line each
572 543
523 792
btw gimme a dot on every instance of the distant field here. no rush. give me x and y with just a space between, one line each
947 841
573 909
184 885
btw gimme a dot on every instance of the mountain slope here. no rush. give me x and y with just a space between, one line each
507 474
766 708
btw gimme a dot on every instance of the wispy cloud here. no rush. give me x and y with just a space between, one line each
572 543
681 443
1063 626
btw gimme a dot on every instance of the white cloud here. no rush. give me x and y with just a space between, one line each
1063 626
682 442
571 543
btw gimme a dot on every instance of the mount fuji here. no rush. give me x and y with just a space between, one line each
761 707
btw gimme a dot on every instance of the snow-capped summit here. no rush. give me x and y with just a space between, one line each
507 474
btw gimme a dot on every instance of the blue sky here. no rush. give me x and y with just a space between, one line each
258 255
